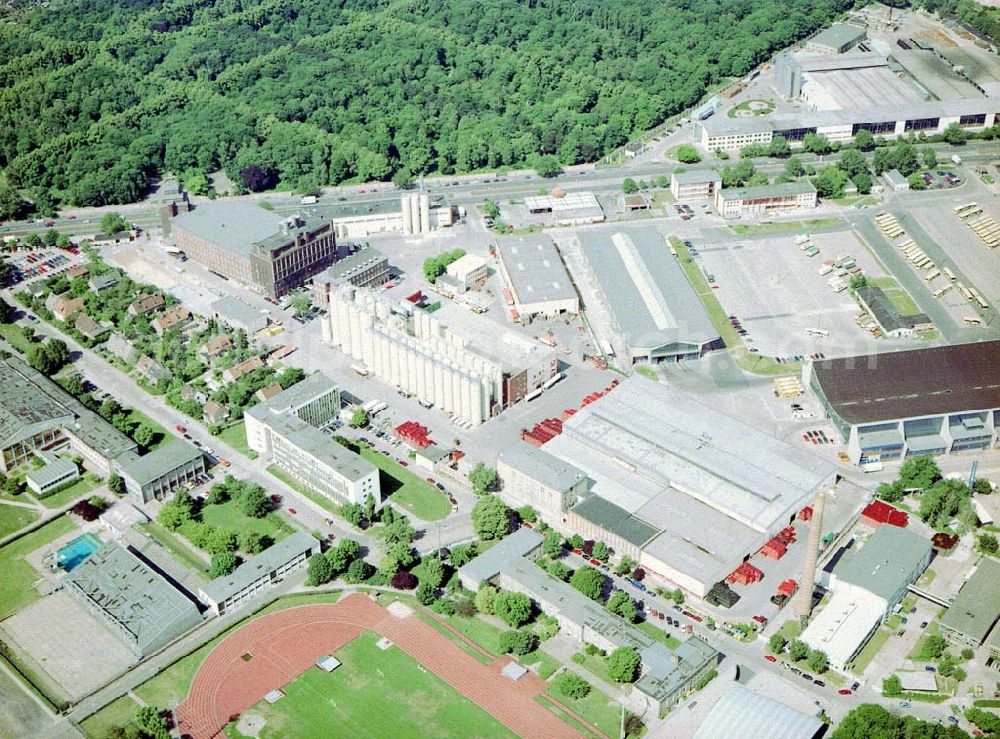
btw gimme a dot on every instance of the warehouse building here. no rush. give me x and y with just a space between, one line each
157 474
666 674
469 272
976 608
889 320
739 202
448 359
287 430
533 477
655 314
867 583
243 242
239 315
686 491
536 282
259 573
836 39
36 415
139 605
742 713
357 264
696 184
934 400
566 209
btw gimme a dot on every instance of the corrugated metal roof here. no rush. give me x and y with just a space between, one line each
744 714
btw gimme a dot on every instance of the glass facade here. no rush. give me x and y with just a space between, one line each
921 124
979 119
878 127
795 134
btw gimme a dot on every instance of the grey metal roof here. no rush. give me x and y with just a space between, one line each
744 714
535 269
344 269
489 563
796 187
837 35
645 288
884 563
308 389
259 565
912 383
152 466
233 309
696 176
977 605
616 520
538 464
895 177
55 468
232 225
122 589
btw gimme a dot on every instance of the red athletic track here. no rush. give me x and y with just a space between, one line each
286 643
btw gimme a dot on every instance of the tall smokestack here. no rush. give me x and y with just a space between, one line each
803 602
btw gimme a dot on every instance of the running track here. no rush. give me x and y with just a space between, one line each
286 643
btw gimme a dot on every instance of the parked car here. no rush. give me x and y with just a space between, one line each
820 683
275 498
292 511
844 691
770 658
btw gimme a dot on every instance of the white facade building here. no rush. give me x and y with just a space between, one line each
469 270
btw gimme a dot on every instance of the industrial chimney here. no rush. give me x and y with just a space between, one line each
803 602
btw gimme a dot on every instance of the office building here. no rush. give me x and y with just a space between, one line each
287 430
836 39
535 279
36 415
243 242
53 474
157 474
469 271
227 593
138 604
655 315
686 491
533 477
976 608
448 359
695 184
738 202
933 400
867 583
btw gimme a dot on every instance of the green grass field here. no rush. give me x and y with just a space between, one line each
229 516
236 437
482 633
900 299
600 710
407 490
120 712
184 552
373 693
554 708
784 226
84 485
864 658
15 585
659 634
160 435
13 518
14 337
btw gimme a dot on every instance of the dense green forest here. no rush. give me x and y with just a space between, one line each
97 95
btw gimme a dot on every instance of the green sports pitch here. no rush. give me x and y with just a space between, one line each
375 693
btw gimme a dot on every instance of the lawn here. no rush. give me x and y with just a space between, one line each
457 640
482 633
600 710
236 437
13 518
374 693
900 299
321 500
14 337
784 226
556 709
407 490
918 652
659 634
545 664
179 549
84 485
874 645
229 516
117 713
15 585
160 434
594 664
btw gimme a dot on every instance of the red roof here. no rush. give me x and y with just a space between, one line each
878 511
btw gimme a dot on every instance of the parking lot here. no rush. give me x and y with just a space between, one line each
778 293
28 265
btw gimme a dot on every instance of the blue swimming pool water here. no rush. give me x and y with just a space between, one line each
77 550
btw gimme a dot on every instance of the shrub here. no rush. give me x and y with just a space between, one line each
572 685
404 580
465 607
518 642
623 665
514 609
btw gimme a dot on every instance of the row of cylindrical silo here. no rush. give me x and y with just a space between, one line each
416 213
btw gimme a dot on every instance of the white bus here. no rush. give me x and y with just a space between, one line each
931 276
374 407
948 273
532 395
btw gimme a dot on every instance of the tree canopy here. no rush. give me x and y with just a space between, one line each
270 93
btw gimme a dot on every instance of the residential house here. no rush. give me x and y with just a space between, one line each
237 371
122 348
268 392
215 413
214 347
102 282
64 308
170 318
189 393
146 303
78 271
91 329
152 372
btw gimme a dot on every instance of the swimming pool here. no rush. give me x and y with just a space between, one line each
77 550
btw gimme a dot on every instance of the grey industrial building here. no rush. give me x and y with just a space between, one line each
742 713
695 184
287 430
226 594
976 608
656 314
37 415
933 400
763 200
685 490
244 242
139 605
536 282
157 474
237 314
889 320
836 39
666 674
360 265
533 477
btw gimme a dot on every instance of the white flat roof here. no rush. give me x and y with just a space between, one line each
846 620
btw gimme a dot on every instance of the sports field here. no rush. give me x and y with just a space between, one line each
373 693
